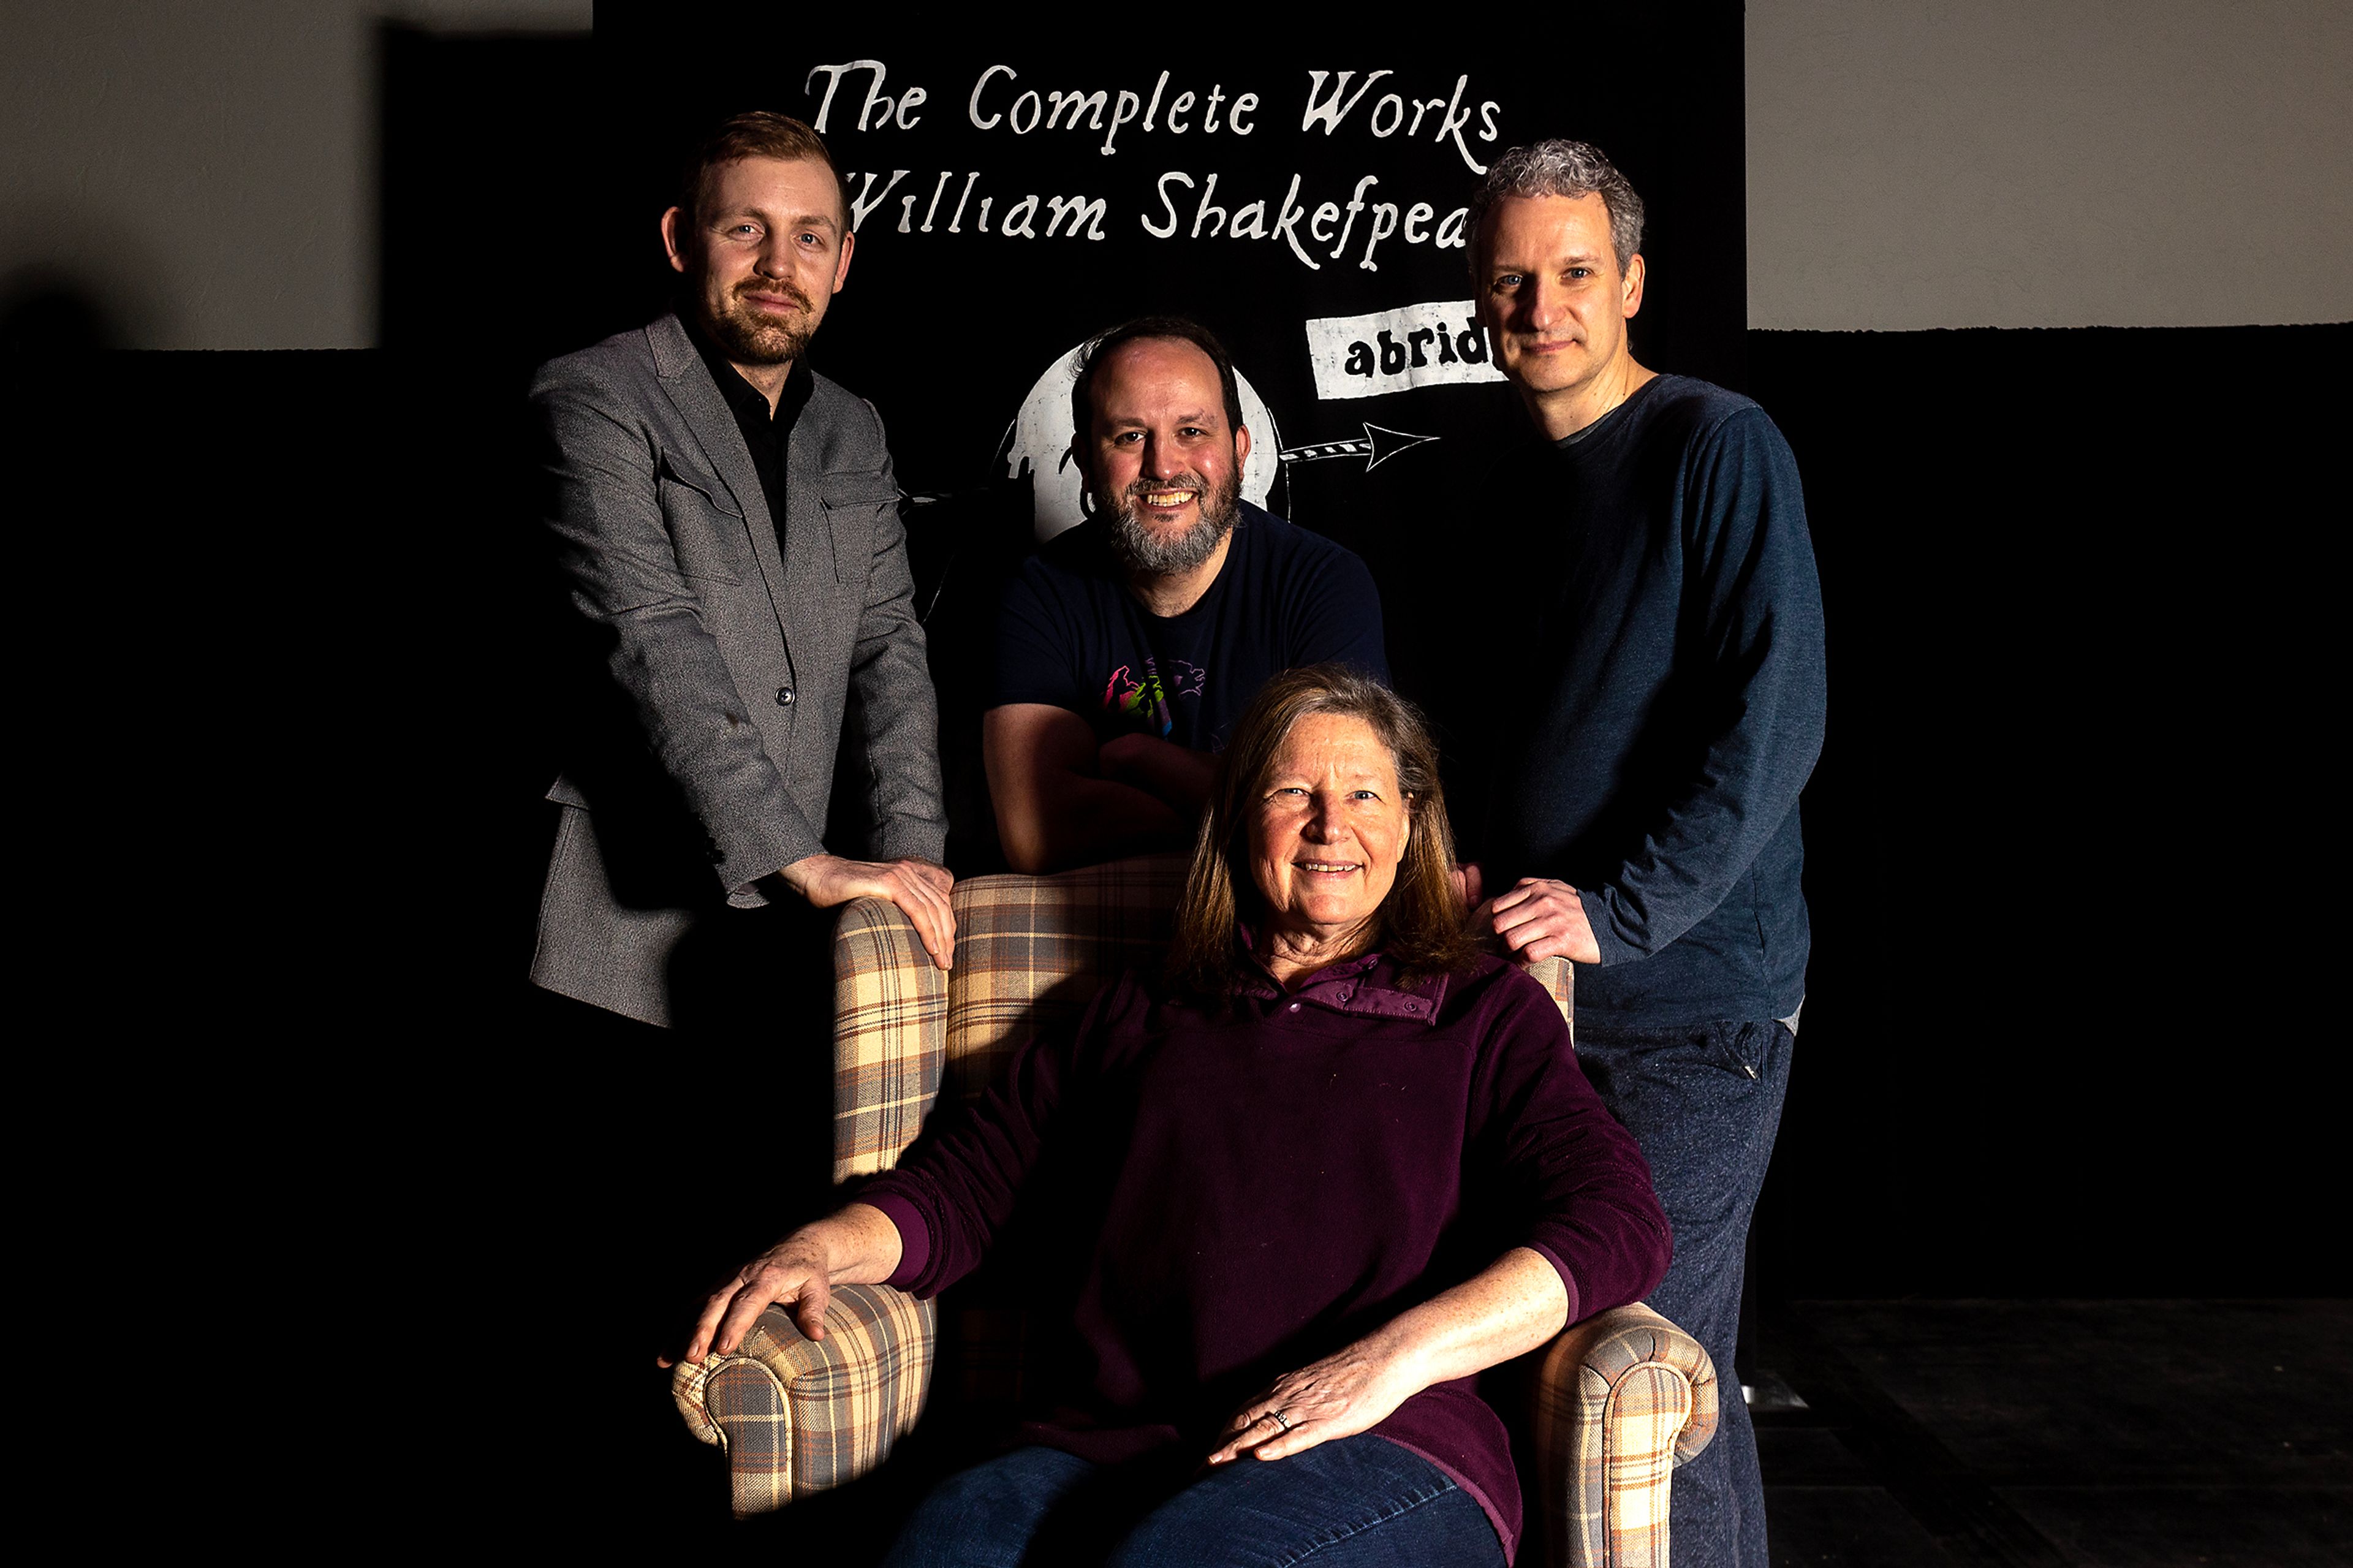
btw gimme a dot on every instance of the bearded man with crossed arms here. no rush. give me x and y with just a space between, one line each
1127 646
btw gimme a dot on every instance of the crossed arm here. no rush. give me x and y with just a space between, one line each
1062 801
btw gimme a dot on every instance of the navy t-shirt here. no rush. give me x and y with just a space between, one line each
1071 636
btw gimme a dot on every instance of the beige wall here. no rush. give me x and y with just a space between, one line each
2048 163
207 166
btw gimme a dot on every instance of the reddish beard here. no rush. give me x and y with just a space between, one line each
751 335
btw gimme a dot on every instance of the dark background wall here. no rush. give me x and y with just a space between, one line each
2069 1029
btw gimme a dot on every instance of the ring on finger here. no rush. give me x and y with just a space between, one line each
1279 1421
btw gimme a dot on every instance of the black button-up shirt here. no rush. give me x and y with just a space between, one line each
766 433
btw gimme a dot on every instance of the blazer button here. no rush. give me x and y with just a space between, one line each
783 696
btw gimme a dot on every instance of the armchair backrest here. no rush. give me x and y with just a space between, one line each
1032 953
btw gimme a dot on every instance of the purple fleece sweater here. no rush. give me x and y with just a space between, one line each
1232 1197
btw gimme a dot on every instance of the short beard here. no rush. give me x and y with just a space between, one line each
749 338
1145 554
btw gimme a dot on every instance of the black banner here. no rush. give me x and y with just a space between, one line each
1304 194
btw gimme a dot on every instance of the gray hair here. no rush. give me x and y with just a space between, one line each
1562 168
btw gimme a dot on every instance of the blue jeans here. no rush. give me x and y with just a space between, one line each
1705 1103
1353 1502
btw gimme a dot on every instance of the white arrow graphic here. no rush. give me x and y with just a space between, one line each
1378 445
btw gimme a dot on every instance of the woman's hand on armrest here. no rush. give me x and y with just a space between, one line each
1508 1309
857 1245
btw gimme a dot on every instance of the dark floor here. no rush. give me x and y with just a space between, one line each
2093 1434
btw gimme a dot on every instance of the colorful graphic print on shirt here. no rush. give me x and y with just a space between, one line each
1146 701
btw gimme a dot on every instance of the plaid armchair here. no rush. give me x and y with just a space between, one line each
1619 1400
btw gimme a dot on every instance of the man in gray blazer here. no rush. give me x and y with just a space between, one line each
727 526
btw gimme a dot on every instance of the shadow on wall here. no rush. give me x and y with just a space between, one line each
69 281
48 309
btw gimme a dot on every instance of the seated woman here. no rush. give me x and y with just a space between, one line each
1306 1185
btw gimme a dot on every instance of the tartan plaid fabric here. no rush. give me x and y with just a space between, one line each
1621 1400
798 1416
1559 979
795 1418
889 1003
1032 953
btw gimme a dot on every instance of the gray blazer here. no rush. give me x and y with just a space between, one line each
706 760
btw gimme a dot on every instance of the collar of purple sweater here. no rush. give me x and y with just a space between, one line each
1367 984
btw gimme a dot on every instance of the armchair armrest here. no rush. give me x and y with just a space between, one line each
1559 981
889 1035
1621 1400
798 1416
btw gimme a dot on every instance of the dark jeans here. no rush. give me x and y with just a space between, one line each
1355 1502
1703 1102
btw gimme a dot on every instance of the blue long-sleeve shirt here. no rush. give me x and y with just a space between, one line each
1667 707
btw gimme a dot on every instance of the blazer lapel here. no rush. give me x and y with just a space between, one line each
808 566
687 381
712 422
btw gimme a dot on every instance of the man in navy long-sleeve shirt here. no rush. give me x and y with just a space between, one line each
1667 703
